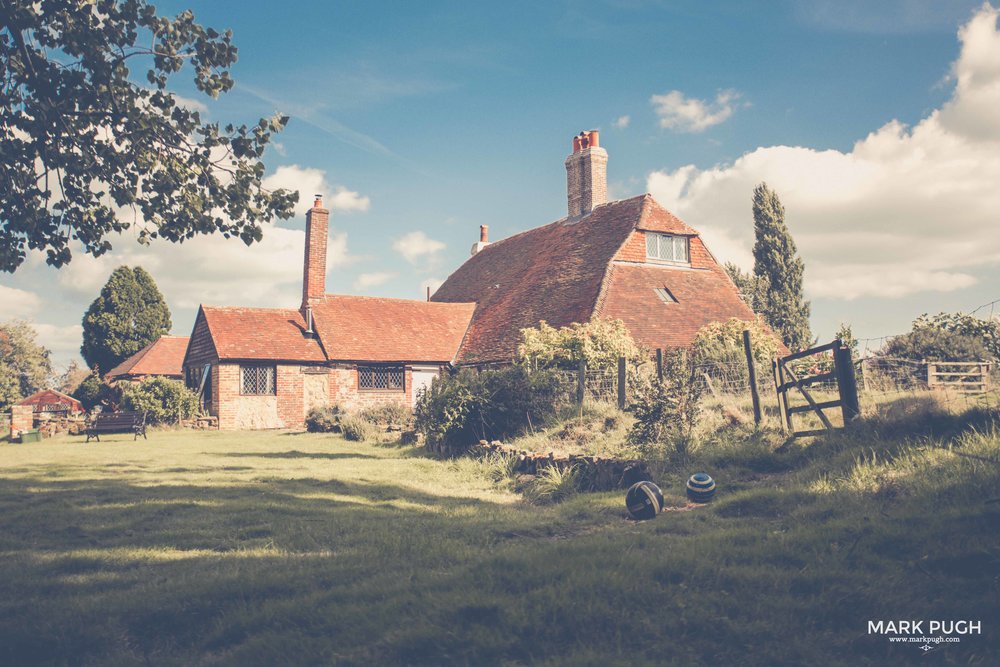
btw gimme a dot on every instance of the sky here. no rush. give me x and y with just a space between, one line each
876 124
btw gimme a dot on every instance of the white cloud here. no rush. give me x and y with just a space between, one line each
415 245
211 269
18 303
63 341
906 210
689 114
432 283
309 181
374 279
623 121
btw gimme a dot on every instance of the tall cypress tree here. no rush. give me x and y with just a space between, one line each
775 262
129 314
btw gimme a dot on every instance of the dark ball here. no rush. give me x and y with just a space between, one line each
700 487
644 500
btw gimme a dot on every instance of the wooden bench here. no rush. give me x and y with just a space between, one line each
117 422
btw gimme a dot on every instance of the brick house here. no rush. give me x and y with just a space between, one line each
632 260
266 367
163 357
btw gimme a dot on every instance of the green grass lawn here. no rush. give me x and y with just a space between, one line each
200 548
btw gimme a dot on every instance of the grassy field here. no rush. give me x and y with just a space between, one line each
203 548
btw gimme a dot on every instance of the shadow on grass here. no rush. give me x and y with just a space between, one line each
295 454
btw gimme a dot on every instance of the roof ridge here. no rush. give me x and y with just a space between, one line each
394 298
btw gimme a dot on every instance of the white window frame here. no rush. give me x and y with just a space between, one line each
665 248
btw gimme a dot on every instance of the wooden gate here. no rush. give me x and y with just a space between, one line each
966 377
786 379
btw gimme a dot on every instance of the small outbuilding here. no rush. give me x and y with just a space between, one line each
53 402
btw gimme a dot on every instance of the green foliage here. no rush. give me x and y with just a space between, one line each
776 264
987 331
600 343
93 391
461 409
24 364
88 149
666 412
387 414
846 337
499 468
71 378
752 288
553 485
355 428
324 419
722 343
934 344
129 314
163 400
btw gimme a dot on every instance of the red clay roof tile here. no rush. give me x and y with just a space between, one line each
261 334
164 356
361 328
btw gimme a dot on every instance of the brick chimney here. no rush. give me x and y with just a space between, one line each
314 265
484 233
586 174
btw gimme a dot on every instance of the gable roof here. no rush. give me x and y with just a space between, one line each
553 273
260 334
361 328
164 356
50 397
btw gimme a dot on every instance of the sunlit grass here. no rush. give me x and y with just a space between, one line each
269 548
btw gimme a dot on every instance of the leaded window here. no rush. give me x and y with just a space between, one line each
667 248
257 380
387 378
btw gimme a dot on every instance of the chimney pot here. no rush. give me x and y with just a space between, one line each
318 201
484 232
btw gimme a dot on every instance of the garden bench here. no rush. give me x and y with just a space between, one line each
117 422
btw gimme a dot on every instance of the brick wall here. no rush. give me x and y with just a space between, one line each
314 264
344 390
586 180
22 418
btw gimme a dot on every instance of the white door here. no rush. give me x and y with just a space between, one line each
422 377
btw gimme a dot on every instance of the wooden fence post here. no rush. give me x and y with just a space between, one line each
753 376
847 385
659 364
779 380
931 375
581 381
621 383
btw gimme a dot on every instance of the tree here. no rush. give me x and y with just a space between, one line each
24 364
87 150
752 288
986 331
129 314
71 378
775 261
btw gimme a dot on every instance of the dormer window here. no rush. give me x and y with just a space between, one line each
667 248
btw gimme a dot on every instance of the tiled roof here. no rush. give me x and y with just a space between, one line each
363 328
702 296
552 273
261 333
164 356
51 397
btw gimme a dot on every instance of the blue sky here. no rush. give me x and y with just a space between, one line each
421 121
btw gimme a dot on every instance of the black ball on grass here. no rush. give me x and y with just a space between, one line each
644 500
700 488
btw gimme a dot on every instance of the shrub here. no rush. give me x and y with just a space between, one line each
986 331
600 343
92 392
721 343
459 410
325 419
358 429
163 400
667 411
933 343
393 414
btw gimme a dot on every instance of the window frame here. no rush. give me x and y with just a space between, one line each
389 369
272 390
676 241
